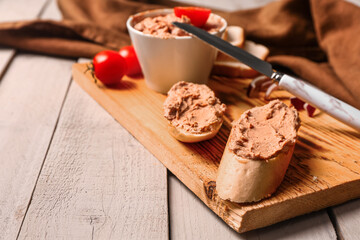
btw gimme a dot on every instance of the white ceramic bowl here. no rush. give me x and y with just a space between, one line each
165 62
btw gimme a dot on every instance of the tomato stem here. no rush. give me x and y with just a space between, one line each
90 67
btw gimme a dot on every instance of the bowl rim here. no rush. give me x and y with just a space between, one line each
165 11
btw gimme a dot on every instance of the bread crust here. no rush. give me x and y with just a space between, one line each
187 137
235 35
245 180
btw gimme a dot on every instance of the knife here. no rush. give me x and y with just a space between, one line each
301 89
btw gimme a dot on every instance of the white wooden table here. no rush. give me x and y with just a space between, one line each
68 170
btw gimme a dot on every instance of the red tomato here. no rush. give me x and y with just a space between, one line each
198 16
109 67
129 54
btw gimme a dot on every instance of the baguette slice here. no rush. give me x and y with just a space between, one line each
258 152
187 137
245 180
193 112
230 67
235 35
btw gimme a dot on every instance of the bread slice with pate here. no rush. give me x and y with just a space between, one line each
193 112
257 153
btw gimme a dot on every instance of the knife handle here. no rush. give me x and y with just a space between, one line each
316 97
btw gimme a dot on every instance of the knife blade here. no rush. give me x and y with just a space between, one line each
301 89
245 57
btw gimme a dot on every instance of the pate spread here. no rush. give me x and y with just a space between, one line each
161 26
262 132
193 108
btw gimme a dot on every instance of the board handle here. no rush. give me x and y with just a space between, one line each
316 97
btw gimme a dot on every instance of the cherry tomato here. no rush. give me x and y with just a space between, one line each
198 16
133 65
109 67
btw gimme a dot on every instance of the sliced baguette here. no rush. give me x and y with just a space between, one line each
193 112
244 180
235 35
230 67
257 153
187 137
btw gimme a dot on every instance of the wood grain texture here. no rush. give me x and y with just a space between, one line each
189 218
6 56
51 11
310 226
30 100
348 220
323 171
14 11
97 181
11 10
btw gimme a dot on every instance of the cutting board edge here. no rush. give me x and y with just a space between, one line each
344 192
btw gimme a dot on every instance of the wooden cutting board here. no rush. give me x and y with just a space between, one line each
324 170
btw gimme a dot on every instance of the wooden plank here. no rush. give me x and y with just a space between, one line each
189 218
11 10
6 56
31 96
311 226
14 11
52 11
323 171
97 181
30 99
348 220
91 155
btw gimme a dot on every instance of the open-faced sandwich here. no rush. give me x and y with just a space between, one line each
257 153
193 112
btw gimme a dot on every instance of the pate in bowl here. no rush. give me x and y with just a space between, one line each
167 54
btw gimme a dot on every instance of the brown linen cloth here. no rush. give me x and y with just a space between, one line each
319 40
